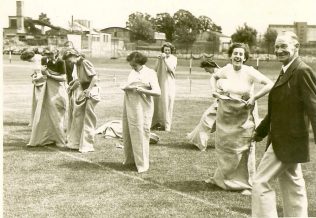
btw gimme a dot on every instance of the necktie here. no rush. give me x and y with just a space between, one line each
280 75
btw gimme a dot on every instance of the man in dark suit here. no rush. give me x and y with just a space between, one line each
291 107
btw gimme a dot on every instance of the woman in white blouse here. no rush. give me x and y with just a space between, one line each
165 68
138 109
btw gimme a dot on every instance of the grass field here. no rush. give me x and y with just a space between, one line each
49 182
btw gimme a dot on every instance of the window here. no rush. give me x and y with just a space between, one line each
115 34
95 38
13 23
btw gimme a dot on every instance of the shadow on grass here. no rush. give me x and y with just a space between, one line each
118 166
15 123
178 145
82 165
79 165
192 186
21 145
311 213
242 210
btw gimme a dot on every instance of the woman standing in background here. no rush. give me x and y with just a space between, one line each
165 68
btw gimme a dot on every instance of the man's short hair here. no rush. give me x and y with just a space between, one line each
291 35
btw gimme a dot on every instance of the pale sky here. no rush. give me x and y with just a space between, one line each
229 14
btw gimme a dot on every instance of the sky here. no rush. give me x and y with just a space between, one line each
229 14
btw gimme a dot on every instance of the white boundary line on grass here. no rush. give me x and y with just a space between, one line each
151 182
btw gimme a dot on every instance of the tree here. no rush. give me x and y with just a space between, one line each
245 34
141 26
164 23
186 28
206 23
43 17
269 39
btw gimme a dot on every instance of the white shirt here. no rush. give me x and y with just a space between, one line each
146 76
288 65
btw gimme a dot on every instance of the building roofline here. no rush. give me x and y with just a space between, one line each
115 27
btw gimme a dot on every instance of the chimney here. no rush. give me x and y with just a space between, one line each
20 17
19 8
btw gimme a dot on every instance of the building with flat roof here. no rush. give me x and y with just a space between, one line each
306 33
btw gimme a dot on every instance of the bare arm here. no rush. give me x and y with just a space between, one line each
152 92
268 84
262 79
154 84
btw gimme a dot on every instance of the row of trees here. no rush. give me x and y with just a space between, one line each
182 27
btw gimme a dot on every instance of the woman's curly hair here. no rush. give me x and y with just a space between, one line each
239 45
137 57
169 45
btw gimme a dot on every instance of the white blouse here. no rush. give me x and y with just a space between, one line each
238 82
146 76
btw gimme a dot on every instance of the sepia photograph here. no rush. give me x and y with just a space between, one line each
158 108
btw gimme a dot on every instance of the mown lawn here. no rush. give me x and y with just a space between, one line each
50 182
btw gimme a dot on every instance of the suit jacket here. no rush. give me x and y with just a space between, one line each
291 106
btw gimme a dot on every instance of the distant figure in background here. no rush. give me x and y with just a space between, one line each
69 66
71 73
49 117
138 109
236 118
201 133
85 94
291 109
165 68
37 77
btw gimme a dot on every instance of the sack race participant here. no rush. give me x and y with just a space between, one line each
165 68
236 119
49 115
85 94
37 77
201 134
138 109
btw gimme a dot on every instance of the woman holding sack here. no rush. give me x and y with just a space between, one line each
49 115
138 108
37 77
201 133
236 118
85 95
165 68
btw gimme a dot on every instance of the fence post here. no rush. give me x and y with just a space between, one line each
114 79
257 63
190 72
10 56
